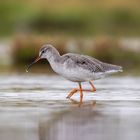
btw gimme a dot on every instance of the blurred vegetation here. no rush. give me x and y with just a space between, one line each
106 49
72 18
26 48
29 24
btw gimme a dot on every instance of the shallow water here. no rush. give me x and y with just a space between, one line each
34 107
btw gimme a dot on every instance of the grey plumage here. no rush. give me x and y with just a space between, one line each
89 63
75 67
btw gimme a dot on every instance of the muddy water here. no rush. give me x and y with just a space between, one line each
34 107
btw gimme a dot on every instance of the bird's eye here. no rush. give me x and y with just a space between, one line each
43 51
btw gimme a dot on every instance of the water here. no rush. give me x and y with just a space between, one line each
34 107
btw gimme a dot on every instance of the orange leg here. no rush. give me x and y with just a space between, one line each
72 92
81 94
93 87
76 89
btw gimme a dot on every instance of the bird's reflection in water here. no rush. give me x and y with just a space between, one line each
67 124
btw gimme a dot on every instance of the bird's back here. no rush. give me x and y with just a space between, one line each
106 67
86 66
90 63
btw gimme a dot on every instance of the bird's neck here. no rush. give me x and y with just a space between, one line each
55 60
54 57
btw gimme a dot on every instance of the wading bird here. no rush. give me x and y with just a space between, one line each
76 68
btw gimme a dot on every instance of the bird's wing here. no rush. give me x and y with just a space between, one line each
85 62
105 66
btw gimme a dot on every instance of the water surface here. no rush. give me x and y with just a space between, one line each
35 107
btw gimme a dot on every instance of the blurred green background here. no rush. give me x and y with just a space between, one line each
105 29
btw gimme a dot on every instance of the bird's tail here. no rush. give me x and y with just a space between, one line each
109 68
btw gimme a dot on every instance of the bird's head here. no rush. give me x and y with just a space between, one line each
46 52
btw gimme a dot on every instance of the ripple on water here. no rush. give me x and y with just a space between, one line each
35 107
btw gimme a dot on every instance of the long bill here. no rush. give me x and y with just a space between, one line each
29 66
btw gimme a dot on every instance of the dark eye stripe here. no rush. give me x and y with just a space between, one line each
42 49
